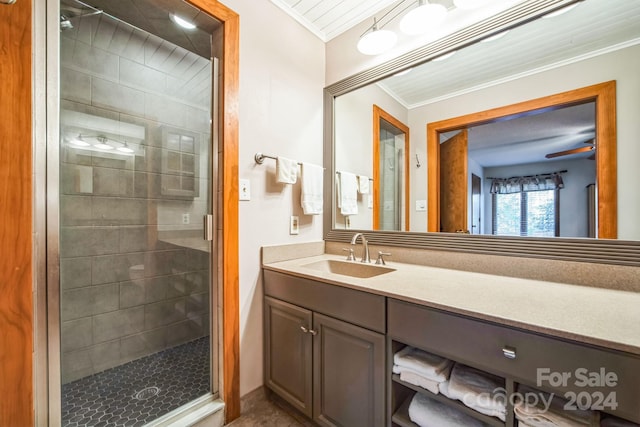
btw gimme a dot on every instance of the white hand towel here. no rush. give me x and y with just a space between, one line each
411 377
553 416
430 413
444 389
348 194
311 198
286 170
363 184
428 365
478 390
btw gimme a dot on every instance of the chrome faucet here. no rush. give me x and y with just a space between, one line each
365 246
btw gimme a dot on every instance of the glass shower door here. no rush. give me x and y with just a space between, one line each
136 148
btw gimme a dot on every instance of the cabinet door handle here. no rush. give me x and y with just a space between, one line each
509 352
312 332
303 329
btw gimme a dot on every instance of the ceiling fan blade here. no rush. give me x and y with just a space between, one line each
567 152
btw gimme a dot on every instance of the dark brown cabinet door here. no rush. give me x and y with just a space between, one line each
288 353
348 374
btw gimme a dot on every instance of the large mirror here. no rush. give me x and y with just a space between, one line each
595 43
540 124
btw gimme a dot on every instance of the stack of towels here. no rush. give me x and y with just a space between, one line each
532 415
422 369
479 390
430 413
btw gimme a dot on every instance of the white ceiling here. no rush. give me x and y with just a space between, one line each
329 18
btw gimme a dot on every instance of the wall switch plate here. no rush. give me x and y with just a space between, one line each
421 205
185 218
245 189
294 225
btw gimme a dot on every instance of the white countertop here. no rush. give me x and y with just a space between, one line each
603 317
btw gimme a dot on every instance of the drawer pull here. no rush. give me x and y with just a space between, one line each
303 329
312 332
509 352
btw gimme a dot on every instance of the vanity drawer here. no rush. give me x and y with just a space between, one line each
539 360
357 307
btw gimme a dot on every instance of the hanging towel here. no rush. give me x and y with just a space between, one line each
479 390
428 365
553 416
286 170
430 413
363 184
311 197
348 194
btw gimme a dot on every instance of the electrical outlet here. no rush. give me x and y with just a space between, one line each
245 189
347 222
294 225
185 218
421 205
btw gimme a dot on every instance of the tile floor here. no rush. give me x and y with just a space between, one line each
261 408
139 391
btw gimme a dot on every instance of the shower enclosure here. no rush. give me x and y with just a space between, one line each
392 177
137 145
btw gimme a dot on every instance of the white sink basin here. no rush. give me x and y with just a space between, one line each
349 268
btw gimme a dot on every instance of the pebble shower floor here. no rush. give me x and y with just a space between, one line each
140 391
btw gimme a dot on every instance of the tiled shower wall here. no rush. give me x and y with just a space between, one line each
126 290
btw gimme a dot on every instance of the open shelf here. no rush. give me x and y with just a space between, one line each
401 416
492 421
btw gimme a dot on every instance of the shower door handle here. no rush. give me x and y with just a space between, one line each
208 227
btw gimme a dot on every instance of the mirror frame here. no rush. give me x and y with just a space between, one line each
604 251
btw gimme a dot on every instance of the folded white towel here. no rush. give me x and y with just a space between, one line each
311 197
430 413
553 416
286 170
443 387
412 377
428 365
617 422
348 194
479 390
363 184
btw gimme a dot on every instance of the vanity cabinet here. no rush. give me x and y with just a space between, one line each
325 350
567 369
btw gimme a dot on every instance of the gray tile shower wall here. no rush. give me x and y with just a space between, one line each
124 292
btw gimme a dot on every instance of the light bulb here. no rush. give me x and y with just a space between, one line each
377 41
125 149
182 22
423 18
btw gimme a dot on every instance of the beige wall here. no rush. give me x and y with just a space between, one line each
281 82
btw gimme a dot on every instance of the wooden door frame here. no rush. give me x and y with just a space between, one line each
227 245
379 113
604 96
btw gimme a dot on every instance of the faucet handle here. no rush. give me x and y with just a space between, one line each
350 256
381 255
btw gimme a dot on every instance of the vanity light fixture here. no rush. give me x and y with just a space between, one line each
376 40
423 18
79 141
182 22
103 143
125 148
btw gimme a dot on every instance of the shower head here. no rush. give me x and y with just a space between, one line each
65 23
